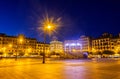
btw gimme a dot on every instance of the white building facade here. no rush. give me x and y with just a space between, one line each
78 46
56 46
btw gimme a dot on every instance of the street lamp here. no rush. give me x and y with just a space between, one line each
48 26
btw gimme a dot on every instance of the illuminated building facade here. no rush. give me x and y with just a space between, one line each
86 43
72 46
56 46
106 42
83 44
20 46
39 48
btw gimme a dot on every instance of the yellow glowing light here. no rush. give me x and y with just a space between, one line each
10 45
29 49
4 48
21 40
117 49
49 24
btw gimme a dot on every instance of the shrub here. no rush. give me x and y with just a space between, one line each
108 52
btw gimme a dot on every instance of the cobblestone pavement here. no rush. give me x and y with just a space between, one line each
60 69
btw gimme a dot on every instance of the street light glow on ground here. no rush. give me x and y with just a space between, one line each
60 69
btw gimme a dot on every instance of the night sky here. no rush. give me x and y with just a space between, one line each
79 17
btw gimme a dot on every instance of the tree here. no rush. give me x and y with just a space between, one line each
41 53
108 52
1 53
52 53
99 53
10 53
21 54
118 52
57 54
94 53
34 53
30 53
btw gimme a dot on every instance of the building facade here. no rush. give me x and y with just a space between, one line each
83 44
20 46
86 43
72 46
40 48
106 42
56 46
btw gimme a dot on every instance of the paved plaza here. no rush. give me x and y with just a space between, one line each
28 68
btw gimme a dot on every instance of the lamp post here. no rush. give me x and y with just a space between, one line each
16 52
47 28
44 48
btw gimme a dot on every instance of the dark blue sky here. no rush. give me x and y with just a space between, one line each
78 16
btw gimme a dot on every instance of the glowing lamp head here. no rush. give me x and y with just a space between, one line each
48 26
21 40
10 45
